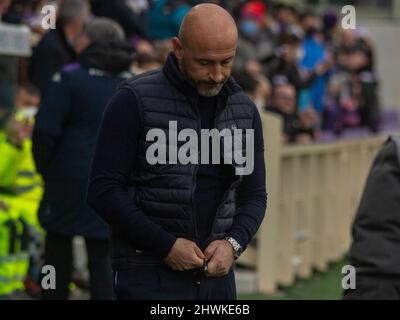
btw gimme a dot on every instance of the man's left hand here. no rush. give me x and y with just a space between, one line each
220 256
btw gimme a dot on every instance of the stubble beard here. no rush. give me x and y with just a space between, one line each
212 91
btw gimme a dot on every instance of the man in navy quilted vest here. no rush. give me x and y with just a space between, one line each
181 207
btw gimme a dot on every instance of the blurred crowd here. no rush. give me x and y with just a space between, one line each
291 61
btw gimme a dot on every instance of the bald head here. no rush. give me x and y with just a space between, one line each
206 47
207 26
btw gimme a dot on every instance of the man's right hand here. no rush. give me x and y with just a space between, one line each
184 255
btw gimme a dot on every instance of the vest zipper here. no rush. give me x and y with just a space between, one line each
194 212
217 114
219 207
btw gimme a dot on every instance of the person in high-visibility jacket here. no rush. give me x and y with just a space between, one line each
20 193
27 183
20 200
7 240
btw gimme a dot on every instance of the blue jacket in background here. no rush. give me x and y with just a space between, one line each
165 19
314 53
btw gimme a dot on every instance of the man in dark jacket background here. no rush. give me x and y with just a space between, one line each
63 143
177 228
375 250
56 48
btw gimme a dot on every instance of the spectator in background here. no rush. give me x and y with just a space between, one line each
28 97
21 186
361 67
314 54
282 67
28 12
329 29
257 89
308 123
352 98
283 103
165 18
132 15
162 48
285 15
63 143
255 42
146 62
56 48
4 5
22 11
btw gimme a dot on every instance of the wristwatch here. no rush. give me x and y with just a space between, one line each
237 248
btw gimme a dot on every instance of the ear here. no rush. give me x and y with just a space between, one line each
177 47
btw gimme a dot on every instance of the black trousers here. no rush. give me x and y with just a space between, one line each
374 288
58 253
163 283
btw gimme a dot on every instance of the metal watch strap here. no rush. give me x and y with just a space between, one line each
237 248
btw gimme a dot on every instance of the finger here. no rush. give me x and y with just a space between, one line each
211 268
197 262
173 266
180 267
199 253
213 274
209 252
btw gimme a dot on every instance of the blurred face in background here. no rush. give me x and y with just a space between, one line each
26 105
357 60
252 19
348 38
292 52
310 24
284 98
308 118
25 99
146 62
249 27
74 32
4 5
286 15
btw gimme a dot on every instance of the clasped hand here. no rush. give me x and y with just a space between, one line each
186 255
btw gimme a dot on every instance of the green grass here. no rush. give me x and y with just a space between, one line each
326 286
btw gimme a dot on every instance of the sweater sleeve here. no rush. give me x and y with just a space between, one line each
50 122
251 198
114 160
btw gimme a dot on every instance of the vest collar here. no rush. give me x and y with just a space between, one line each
177 79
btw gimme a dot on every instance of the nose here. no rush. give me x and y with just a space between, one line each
216 74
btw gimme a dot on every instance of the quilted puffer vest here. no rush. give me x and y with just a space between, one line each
165 191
